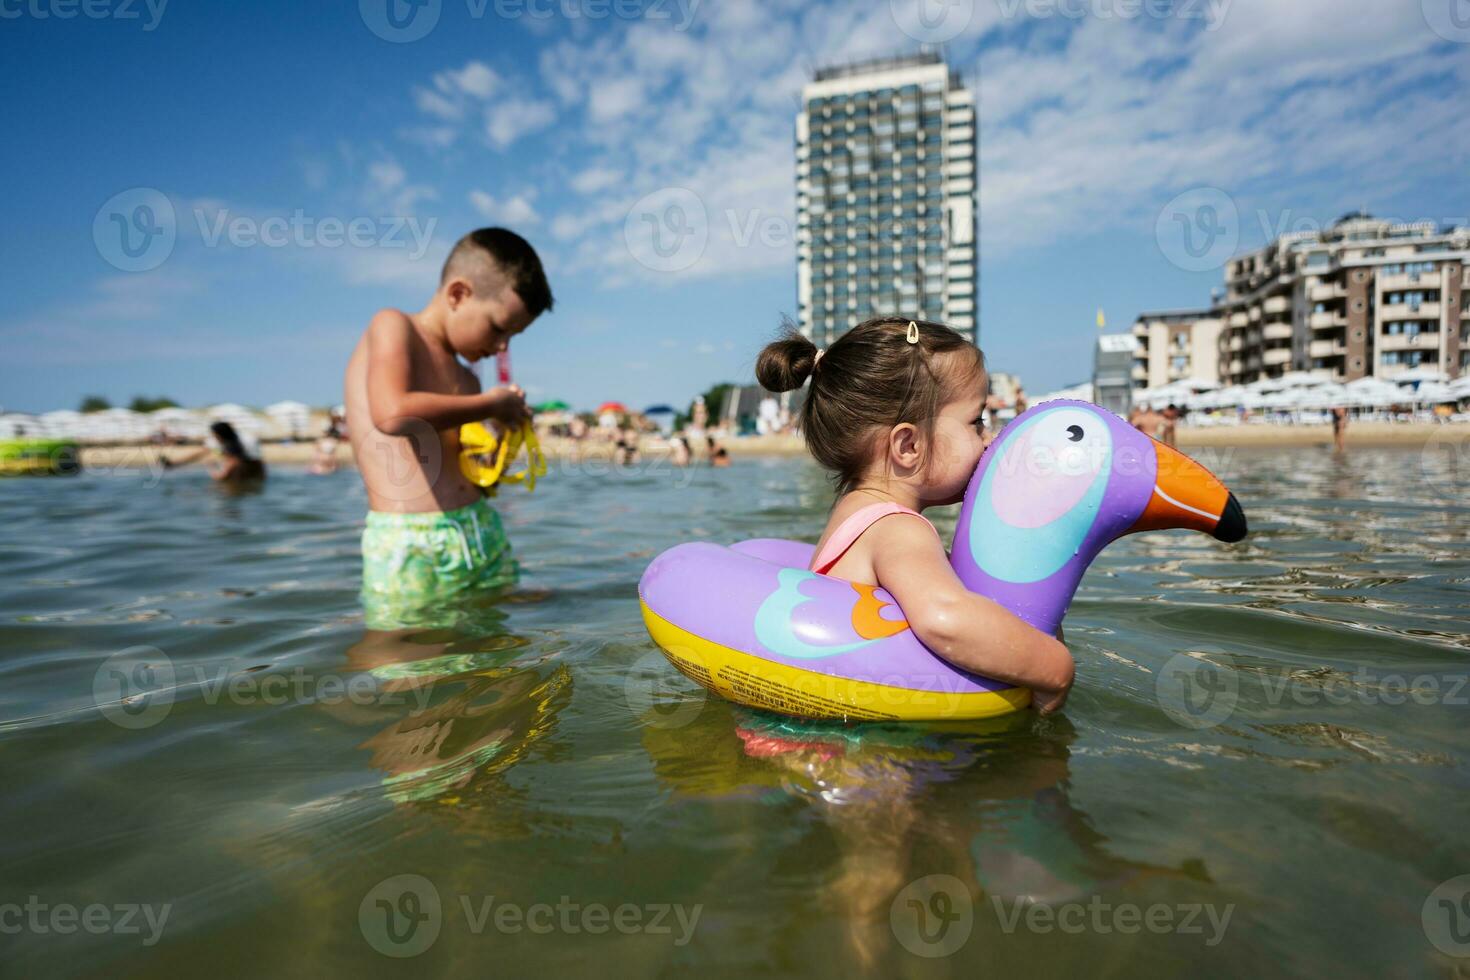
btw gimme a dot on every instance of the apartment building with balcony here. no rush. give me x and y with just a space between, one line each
886 171
1175 345
1363 297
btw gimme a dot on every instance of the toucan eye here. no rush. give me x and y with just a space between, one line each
1074 433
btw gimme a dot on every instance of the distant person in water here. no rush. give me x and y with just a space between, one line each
1149 422
626 449
325 460
679 453
1171 417
235 462
1339 429
721 457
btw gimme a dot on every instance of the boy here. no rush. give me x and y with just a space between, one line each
430 534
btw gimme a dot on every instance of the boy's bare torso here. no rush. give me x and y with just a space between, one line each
417 473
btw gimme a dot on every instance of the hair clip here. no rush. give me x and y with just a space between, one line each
913 332
815 360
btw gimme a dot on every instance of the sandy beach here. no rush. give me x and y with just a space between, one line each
1276 436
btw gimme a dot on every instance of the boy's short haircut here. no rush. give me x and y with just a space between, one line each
482 254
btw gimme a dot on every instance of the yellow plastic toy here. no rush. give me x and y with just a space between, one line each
483 457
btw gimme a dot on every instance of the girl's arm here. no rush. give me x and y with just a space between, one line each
969 630
193 457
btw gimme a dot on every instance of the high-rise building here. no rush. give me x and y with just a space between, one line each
886 172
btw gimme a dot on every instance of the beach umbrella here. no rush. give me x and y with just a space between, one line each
1279 400
1302 379
1375 393
1460 387
555 405
1325 396
1433 393
1269 385
1228 397
1419 374
659 410
14 424
1197 400
617 407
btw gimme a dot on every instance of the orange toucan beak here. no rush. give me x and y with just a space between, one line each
1186 495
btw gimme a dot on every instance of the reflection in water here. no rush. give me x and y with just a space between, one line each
986 801
476 707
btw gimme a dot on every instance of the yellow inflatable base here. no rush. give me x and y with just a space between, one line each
771 686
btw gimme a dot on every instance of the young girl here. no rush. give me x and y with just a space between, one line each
896 412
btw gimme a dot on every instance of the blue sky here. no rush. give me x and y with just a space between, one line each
294 122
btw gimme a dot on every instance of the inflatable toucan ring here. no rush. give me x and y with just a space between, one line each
483 457
751 623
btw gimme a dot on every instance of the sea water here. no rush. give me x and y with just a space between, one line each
211 768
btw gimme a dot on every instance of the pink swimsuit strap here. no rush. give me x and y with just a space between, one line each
853 528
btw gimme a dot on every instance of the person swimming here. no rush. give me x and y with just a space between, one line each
236 462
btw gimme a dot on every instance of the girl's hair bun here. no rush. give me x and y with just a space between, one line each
785 364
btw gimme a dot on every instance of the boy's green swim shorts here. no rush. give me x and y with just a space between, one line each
412 563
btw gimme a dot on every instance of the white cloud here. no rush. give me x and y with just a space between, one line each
615 99
430 137
386 175
438 105
475 79
452 92
514 210
595 179
1086 123
1099 130
389 191
510 120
